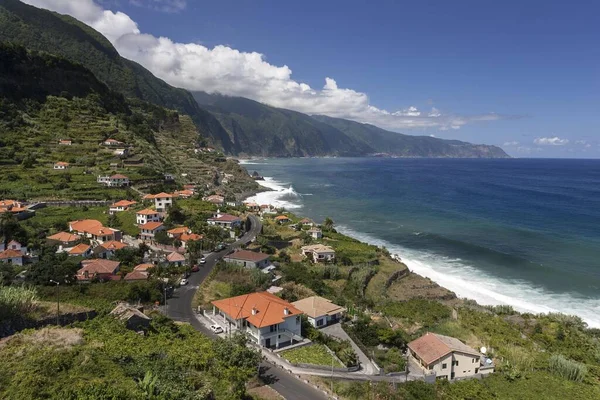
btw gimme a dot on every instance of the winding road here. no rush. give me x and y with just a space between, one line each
179 308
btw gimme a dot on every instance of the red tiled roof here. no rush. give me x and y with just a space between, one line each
431 347
147 211
62 163
81 248
118 176
247 255
84 225
123 203
10 253
175 257
225 218
162 195
180 230
190 237
281 218
113 245
136 276
98 266
151 225
143 267
64 237
269 309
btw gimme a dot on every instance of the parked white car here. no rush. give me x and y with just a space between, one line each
183 282
203 260
216 329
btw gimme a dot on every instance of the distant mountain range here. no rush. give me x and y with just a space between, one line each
238 125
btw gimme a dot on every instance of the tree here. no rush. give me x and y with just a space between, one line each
113 221
162 237
194 248
327 224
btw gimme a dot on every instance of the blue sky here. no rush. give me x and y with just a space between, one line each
524 75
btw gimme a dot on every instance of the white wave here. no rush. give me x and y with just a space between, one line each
251 161
281 194
468 282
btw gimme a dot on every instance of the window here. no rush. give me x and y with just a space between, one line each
298 319
430 367
272 328
320 322
455 363
444 366
476 370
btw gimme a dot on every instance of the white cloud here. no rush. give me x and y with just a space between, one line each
232 72
550 141
510 144
170 6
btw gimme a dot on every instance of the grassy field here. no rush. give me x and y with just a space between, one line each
311 354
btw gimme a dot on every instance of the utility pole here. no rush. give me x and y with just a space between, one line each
57 301
331 389
165 298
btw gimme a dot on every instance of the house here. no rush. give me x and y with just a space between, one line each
121 152
169 177
176 259
282 219
61 165
16 208
116 180
143 267
81 250
447 357
315 233
319 253
64 238
189 237
307 222
97 269
267 209
112 142
267 319
150 229
136 276
65 142
162 201
320 311
11 256
183 194
108 249
190 187
94 230
252 207
9 204
215 199
176 233
119 206
13 245
134 317
225 220
248 259
146 215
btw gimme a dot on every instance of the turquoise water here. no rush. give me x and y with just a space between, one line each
519 232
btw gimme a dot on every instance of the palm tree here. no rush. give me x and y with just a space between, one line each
328 224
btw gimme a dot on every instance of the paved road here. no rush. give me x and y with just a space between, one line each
179 307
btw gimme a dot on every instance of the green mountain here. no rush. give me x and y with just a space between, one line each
237 125
45 98
62 35
397 144
258 129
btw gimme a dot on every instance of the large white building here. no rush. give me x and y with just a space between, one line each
225 220
267 319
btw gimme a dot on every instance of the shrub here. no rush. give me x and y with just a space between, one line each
15 300
568 369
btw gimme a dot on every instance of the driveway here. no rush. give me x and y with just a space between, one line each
336 331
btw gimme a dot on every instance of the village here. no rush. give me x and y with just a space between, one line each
304 336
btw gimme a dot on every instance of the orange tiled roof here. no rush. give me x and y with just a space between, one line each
281 218
151 225
183 193
190 237
64 237
10 253
62 163
100 231
81 248
98 266
143 267
175 257
147 211
179 230
124 203
84 225
136 276
269 309
118 176
431 347
113 245
8 203
162 195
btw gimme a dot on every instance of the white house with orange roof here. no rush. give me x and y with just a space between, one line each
183 194
189 237
64 238
120 206
150 229
112 142
224 220
162 201
267 319
176 259
81 250
108 249
65 142
177 232
94 230
116 180
147 215
61 165
215 199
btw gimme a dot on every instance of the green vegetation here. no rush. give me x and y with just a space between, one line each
101 359
16 301
423 312
311 354
568 369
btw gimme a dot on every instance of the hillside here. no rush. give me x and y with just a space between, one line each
44 99
62 35
410 146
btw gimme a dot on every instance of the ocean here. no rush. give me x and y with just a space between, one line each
523 232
